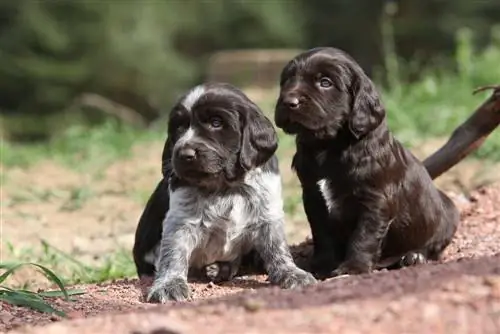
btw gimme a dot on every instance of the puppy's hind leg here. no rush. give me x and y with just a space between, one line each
412 259
447 228
222 271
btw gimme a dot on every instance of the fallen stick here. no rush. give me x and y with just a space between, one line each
110 107
468 136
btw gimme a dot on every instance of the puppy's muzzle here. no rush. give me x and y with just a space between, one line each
289 110
186 157
195 161
291 102
186 154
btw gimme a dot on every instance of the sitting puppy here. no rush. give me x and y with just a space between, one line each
220 198
370 202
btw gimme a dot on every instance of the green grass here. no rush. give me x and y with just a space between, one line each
70 271
34 300
115 265
438 103
80 147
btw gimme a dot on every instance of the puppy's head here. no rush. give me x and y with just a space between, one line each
215 135
324 90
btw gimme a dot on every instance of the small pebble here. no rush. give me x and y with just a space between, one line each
253 305
492 280
74 314
54 317
430 311
5 317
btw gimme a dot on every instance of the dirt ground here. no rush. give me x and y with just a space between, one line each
460 295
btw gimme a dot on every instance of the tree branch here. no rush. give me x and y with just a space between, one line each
468 136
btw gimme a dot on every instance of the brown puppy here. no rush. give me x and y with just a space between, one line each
370 202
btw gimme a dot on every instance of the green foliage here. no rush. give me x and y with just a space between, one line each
33 300
442 99
432 106
45 54
143 54
79 146
139 53
72 271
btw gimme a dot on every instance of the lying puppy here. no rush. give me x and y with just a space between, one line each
370 202
220 198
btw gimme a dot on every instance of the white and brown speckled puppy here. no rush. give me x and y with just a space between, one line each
220 198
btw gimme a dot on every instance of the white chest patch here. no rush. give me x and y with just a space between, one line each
326 192
223 225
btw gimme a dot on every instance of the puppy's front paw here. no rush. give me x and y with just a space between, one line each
293 278
351 268
175 289
323 264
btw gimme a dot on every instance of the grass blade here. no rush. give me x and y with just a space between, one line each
34 302
31 299
56 293
48 273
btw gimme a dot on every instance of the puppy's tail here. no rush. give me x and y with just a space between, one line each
468 136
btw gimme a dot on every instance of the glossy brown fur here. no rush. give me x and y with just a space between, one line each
370 203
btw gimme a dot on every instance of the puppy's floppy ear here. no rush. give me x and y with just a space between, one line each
367 111
259 139
166 158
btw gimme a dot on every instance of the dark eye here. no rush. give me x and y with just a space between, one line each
325 82
178 128
181 127
216 122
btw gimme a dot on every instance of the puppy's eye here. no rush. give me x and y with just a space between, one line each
215 122
181 128
325 82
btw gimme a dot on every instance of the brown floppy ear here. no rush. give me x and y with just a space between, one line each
367 111
259 140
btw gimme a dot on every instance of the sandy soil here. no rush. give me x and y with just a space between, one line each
460 295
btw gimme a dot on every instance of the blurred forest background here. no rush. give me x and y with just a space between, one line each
85 86
142 54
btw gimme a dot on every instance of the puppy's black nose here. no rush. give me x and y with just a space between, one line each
291 102
187 154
